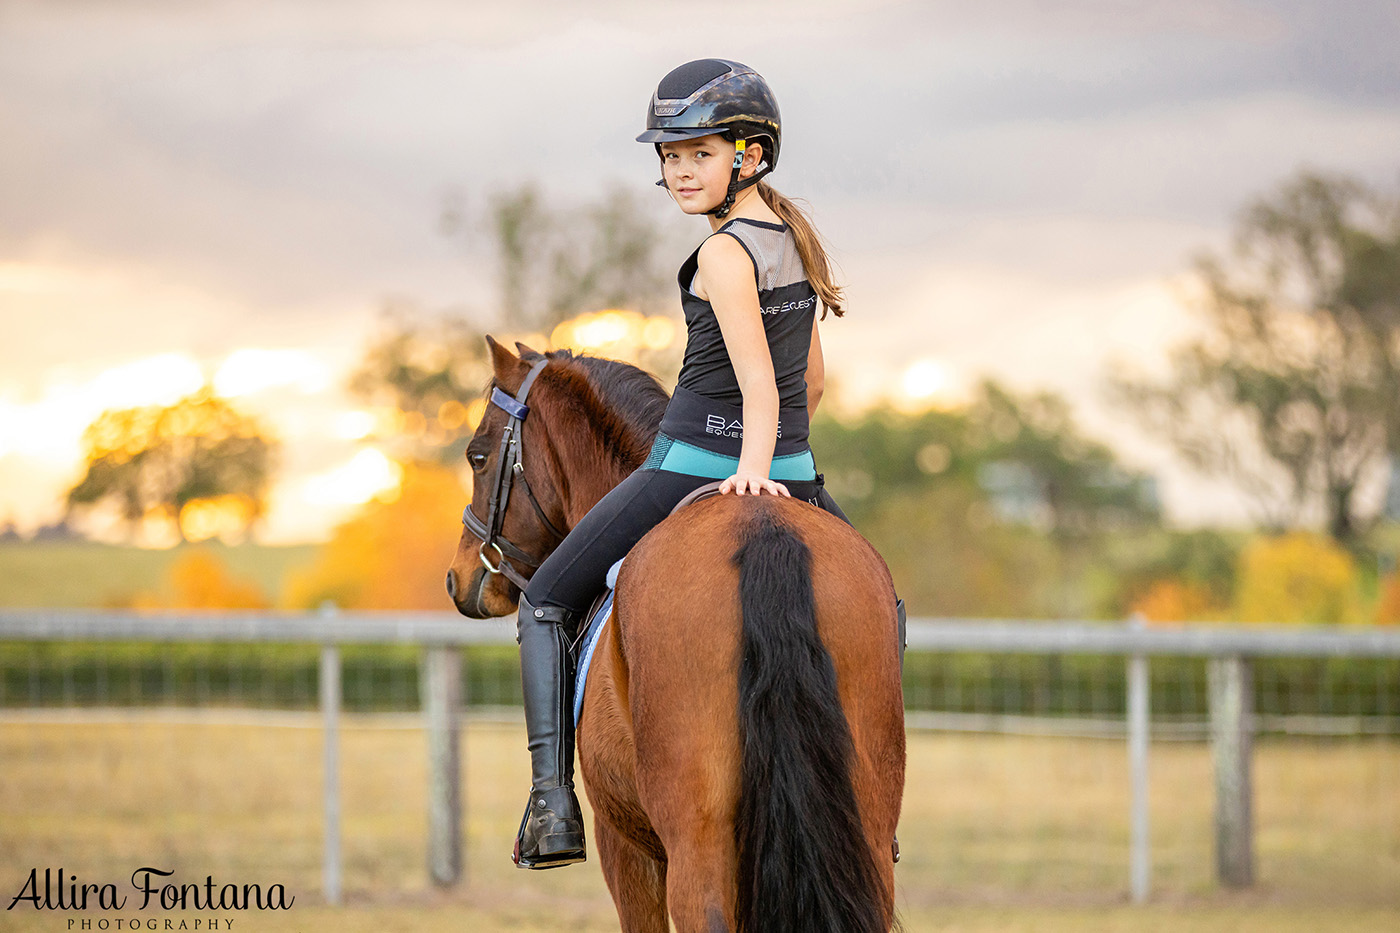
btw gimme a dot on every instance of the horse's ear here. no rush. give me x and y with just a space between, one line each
509 369
528 354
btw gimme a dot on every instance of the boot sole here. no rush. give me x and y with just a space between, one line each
542 864
557 850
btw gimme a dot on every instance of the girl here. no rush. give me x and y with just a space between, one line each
751 378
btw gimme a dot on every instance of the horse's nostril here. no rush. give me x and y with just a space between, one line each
452 585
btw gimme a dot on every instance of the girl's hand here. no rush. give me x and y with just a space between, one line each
757 483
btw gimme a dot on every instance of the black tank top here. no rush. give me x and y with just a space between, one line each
788 304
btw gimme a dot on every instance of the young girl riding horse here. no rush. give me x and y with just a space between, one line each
751 378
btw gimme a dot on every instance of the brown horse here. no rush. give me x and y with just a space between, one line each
742 738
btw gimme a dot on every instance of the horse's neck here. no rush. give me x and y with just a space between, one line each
586 492
590 476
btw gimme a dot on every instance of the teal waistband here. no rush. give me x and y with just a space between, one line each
686 458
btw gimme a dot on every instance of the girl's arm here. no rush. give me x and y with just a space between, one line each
727 282
816 372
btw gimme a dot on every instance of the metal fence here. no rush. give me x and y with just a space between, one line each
1104 706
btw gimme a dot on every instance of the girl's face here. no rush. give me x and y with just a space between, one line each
697 170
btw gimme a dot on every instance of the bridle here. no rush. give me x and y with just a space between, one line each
509 468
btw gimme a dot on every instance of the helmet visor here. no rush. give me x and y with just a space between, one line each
676 134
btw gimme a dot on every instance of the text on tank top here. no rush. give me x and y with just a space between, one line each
786 300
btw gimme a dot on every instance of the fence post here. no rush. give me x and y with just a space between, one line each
1140 856
442 678
1231 730
330 713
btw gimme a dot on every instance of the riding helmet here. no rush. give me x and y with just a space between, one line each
715 95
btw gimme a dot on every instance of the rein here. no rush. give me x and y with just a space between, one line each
509 468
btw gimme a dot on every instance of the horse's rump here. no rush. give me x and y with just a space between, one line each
810 585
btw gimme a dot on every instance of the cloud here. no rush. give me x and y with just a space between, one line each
197 177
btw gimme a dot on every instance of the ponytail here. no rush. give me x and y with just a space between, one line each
809 247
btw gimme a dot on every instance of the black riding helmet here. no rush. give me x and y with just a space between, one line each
714 95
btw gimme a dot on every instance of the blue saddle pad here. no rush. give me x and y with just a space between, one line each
592 630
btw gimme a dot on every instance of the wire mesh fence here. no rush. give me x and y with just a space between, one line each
206 756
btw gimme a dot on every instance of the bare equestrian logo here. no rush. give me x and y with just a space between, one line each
724 427
802 305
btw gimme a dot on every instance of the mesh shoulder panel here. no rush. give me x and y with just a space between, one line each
774 253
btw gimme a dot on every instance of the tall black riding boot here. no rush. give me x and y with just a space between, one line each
551 831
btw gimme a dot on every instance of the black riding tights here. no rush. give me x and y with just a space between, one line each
576 571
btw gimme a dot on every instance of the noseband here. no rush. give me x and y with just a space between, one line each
509 468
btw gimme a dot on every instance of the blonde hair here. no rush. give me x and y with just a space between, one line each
809 247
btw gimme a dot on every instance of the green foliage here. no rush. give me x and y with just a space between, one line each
1001 508
1077 484
949 557
382 677
1024 454
1195 565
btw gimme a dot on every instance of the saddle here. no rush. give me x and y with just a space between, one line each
601 610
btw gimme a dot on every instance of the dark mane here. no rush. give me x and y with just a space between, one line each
629 401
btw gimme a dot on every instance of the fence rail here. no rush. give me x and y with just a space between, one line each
994 636
1227 649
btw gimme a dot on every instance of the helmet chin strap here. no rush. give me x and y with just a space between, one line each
740 145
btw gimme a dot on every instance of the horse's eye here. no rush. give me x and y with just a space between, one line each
476 460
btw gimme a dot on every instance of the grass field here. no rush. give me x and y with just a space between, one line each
998 833
77 574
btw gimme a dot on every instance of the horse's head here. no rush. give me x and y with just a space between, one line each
514 517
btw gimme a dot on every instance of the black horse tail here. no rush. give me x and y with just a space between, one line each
804 864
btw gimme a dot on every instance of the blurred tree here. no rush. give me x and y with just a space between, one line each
555 262
1293 393
394 553
1001 507
882 453
430 370
198 579
1388 605
1025 454
1169 600
1040 468
949 557
1298 577
1176 575
177 465
552 263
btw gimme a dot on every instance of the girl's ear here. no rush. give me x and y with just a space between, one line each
753 157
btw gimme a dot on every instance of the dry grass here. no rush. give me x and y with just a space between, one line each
999 833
